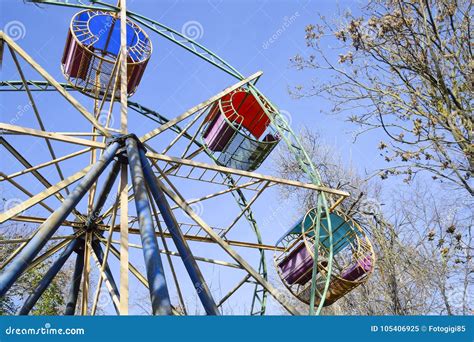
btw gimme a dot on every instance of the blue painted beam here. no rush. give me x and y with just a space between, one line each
104 192
49 227
181 244
100 256
47 278
160 300
75 283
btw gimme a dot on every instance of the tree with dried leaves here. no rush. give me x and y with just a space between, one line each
405 67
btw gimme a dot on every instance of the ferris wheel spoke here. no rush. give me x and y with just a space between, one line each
40 197
236 243
178 199
245 209
233 290
19 156
247 186
185 131
134 270
24 242
168 255
86 274
37 114
26 192
153 133
76 104
51 135
51 251
242 173
43 86
42 165
174 168
36 219
105 276
48 278
107 243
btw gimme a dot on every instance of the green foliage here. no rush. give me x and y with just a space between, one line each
52 300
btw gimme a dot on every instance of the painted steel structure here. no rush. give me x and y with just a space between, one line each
153 182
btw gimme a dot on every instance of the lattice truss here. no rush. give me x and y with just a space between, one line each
104 227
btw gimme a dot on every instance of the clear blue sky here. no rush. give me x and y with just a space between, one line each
238 31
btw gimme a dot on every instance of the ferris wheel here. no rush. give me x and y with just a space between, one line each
141 192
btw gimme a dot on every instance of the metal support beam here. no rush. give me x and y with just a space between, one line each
123 67
160 300
109 182
234 289
109 276
183 248
178 199
48 278
54 83
19 156
75 284
124 257
197 108
86 274
37 114
40 197
139 276
50 135
209 240
49 227
241 173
